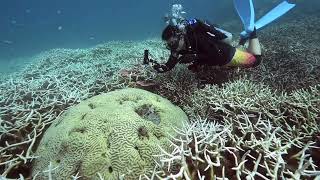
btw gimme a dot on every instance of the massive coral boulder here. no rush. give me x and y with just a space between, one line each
111 135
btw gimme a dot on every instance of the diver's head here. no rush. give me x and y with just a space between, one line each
174 38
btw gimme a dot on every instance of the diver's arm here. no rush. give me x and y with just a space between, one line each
172 61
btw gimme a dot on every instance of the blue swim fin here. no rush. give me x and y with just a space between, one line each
274 14
246 11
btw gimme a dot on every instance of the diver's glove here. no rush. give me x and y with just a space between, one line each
160 68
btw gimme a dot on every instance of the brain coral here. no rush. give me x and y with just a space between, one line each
108 135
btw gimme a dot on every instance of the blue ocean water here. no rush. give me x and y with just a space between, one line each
29 27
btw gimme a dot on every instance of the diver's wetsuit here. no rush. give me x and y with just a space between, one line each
203 47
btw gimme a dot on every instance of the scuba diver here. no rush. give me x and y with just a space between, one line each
196 42
200 43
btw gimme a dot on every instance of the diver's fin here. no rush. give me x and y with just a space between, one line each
272 15
275 13
246 13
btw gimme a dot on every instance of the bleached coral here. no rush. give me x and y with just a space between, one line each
211 150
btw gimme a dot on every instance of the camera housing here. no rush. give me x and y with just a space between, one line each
146 59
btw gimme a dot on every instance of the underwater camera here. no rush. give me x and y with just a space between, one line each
146 59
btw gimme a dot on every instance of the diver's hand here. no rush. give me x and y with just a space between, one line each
160 68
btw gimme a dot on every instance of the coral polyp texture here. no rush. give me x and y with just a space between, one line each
111 135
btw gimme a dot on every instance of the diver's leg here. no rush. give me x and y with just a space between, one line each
243 59
249 58
254 46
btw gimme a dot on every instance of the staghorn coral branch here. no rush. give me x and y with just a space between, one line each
255 169
50 170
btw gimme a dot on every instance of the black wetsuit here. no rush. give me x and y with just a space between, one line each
203 46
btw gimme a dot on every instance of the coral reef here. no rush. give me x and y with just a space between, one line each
249 132
260 123
114 134
32 98
246 150
290 57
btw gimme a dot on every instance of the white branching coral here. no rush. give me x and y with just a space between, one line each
209 150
